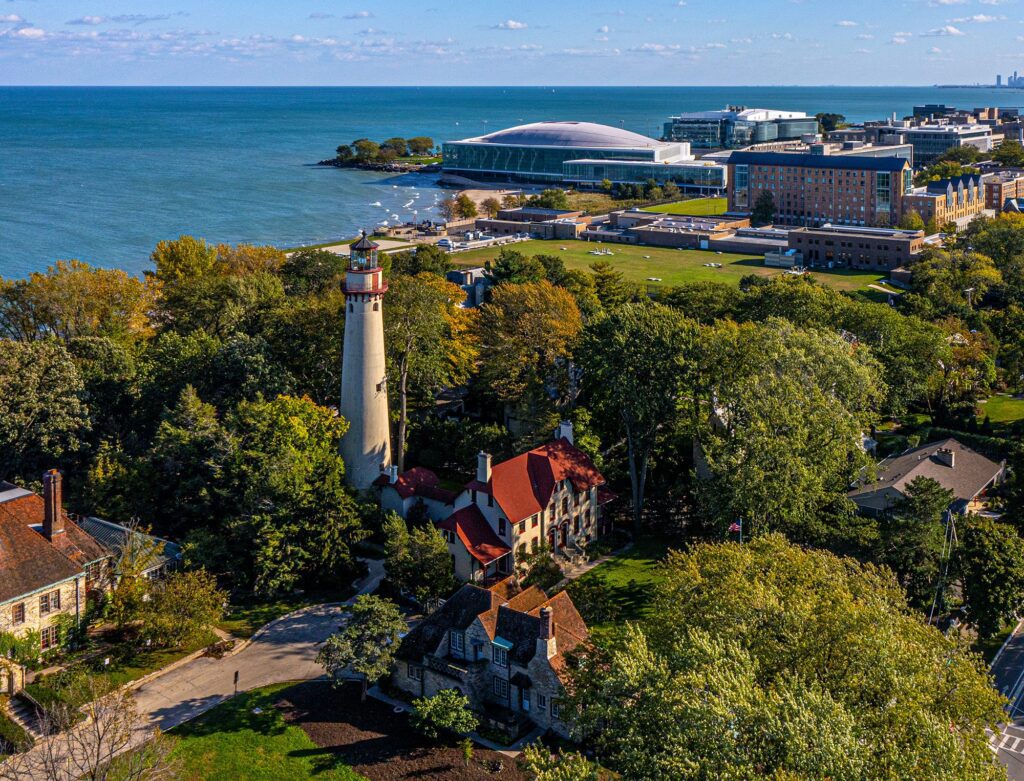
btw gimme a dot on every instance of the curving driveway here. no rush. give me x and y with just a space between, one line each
284 650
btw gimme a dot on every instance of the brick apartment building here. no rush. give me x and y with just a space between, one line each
1003 186
957 200
812 190
870 249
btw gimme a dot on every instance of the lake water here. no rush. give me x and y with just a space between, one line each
102 174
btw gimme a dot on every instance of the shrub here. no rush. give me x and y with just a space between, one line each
446 711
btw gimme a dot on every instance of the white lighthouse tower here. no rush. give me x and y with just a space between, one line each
366 447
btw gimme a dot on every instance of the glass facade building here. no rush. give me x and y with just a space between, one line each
538 152
688 176
738 127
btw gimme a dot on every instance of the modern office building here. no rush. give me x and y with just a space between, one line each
871 249
738 126
957 200
538 151
812 190
931 141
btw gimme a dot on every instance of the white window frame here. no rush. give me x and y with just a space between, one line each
499 656
499 686
457 641
415 672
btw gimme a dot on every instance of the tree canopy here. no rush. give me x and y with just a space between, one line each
767 660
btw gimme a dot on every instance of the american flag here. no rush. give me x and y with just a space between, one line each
736 528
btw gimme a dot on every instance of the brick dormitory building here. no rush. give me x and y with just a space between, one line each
814 190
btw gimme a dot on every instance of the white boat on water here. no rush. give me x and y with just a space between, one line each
409 204
375 203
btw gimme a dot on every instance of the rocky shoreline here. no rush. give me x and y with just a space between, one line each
392 167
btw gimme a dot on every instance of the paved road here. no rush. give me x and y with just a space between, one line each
1008 671
284 650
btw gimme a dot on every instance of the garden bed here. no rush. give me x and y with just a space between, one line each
378 743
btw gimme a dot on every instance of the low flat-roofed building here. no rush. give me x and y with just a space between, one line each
855 247
474 284
694 175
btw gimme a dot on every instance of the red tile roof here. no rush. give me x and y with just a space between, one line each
419 481
476 534
523 485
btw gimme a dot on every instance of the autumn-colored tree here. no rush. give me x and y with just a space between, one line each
72 299
526 335
428 339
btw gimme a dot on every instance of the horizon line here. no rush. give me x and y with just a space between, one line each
507 86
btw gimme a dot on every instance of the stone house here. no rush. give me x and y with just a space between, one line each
51 565
552 494
502 647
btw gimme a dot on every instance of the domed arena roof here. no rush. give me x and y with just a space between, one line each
582 134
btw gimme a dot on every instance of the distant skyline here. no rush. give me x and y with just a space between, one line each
396 42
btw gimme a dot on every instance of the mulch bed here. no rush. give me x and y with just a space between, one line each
379 743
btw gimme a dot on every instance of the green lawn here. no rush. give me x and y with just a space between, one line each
695 207
630 578
126 664
244 620
231 742
671 266
1003 408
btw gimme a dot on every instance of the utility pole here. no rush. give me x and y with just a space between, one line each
948 541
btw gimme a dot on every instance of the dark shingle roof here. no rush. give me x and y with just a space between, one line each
970 474
457 613
797 160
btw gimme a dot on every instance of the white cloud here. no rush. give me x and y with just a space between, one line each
865 37
32 33
898 40
715 46
604 29
846 23
782 36
862 51
11 18
947 30
977 18
321 15
359 15
89 20
602 38
511 24
935 50
947 2
741 40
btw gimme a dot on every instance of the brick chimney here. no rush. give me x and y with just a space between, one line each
546 635
53 515
483 467
946 456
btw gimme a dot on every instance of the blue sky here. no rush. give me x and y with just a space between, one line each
656 42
